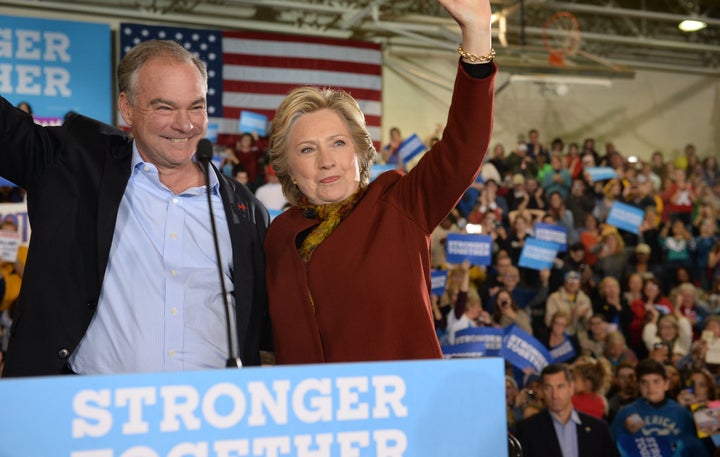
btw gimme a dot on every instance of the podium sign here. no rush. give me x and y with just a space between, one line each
384 409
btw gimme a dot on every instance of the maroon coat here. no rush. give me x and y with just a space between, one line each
370 279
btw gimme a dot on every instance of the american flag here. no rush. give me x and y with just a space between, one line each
251 71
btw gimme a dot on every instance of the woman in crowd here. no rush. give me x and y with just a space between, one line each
671 330
562 346
507 312
592 379
652 298
325 253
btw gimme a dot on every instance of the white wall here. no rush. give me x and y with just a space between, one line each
653 111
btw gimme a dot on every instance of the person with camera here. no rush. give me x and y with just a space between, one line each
507 312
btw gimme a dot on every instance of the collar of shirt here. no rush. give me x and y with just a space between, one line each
574 417
138 163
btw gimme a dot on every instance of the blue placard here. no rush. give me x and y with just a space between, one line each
553 233
491 337
601 173
475 248
377 169
410 147
57 66
274 213
523 350
212 132
438 281
538 254
474 349
253 122
563 351
5 183
625 217
638 445
361 409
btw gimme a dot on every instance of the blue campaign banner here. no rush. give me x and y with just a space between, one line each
213 129
601 173
563 351
383 409
538 254
378 169
645 446
438 281
491 337
553 233
523 350
475 248
473 349
625 217
253 122
57 66
410 147
274 213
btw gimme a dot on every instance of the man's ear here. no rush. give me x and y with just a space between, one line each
125 108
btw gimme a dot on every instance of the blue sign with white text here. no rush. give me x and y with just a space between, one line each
381 409
538 254
56 66
553 233
475 248
625 217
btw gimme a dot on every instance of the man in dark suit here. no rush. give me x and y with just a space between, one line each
560 430
121 274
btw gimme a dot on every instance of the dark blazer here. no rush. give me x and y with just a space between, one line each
538 439
75 176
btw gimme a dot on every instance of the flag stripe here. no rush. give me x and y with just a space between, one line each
254 71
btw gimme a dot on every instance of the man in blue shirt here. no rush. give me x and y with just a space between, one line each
121 274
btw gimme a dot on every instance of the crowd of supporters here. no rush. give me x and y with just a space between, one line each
615 296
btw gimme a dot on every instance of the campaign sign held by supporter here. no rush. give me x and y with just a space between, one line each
625 217
491 337
553 233
538 254
361 409
471 247
522 350
645 446
468 350
563 351
410 147
253 122
601 173
438 281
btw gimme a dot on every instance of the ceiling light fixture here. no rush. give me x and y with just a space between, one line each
691 25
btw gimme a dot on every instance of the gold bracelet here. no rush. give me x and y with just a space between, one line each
473 58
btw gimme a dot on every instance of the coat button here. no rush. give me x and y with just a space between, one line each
63 353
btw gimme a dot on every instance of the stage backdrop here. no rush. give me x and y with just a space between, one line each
453 408
251 71
56 66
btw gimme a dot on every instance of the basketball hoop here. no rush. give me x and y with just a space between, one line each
561 35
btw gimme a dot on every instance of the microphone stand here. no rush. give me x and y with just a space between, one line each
204 154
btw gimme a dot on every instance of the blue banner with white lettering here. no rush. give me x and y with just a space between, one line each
491 337
625 217
253 122
56 66
462 246
645 446
523 350
410 147
553 233
538 254
472 349
601 173
563 352
381 409
438 281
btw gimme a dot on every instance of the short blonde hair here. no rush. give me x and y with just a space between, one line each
309 99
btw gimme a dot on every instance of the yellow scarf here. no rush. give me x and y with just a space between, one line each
330 217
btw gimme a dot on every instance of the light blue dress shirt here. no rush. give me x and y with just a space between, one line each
161 306
567 434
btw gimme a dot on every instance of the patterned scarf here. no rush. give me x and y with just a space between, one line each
330 217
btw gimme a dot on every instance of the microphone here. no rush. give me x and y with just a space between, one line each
204 154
